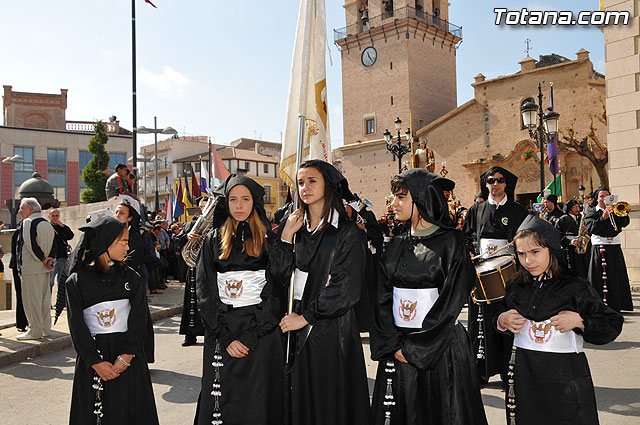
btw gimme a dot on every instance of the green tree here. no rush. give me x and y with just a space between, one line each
94 175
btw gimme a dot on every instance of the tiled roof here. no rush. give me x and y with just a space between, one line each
549 60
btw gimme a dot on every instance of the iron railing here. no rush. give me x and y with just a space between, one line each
395 15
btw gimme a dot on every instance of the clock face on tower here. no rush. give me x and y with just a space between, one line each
369 56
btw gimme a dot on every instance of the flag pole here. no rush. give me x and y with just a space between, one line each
210 167
295 207
134 131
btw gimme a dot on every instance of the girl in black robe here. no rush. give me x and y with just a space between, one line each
328 380
607 268
107 313
243 375
551 312
426 372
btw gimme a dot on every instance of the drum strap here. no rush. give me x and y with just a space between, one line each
480 223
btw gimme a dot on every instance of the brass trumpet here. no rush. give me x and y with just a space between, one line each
621 209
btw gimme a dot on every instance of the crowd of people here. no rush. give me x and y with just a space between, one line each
281 304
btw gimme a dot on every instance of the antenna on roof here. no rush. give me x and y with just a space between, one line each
527 44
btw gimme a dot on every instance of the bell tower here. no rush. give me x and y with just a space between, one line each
398 60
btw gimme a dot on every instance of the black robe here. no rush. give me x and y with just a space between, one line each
577 263
252 387
129 398
328 377
487 221
439 385
553 216
21 317
190 322
619 291
556 388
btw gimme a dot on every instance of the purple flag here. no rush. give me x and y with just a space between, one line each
552 152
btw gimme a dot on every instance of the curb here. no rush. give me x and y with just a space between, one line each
57 344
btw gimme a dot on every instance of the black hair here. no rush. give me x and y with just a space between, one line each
557 268
399 185
495 169
121 166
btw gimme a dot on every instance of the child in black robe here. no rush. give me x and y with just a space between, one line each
551 312
107 313
426 372
243 374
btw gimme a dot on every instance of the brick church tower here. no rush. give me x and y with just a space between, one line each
398 60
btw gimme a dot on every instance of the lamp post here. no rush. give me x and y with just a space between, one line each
144 161
546 125
397 149
581 191
155 130
13 160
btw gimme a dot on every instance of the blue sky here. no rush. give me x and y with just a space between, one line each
221 68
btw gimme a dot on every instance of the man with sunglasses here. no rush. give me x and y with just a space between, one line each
490 225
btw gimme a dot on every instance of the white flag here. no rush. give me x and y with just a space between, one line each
307 92
204 176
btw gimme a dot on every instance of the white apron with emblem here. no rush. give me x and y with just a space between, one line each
108 317
241 288
541 336
411 305
604 240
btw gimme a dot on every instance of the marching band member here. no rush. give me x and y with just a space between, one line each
607 268
551 312
552 213
328 378
242 377
490 225
569 226
426 372
107 314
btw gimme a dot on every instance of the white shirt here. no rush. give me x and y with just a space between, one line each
494 202
335 218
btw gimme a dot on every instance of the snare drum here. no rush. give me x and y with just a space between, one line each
493 275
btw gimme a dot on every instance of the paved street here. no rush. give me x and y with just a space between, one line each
38 391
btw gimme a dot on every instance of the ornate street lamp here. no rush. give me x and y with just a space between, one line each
395 146
540 126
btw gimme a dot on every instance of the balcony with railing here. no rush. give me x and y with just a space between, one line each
396 15
163 189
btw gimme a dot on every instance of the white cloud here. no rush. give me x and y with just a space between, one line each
169 81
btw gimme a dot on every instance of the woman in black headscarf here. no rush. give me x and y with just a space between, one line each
242 377
107 313
551 312
607 268
426 372
328 375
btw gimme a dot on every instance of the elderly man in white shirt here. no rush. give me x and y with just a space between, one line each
35 245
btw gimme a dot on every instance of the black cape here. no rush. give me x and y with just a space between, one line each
440 384
485 221
328 378
129 398
563 378
619 290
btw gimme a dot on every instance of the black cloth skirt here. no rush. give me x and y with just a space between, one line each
126 400
446 395
189 308
329 378
619 295
496 346
578 263
553 389
252 387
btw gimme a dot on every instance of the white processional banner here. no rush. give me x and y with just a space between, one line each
307 91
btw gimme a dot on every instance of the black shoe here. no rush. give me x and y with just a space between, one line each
22 329
189 341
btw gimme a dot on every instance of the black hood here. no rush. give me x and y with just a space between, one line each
594 195
570 205
545 229
97 236
427 191
511 180
334 177
257 193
